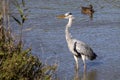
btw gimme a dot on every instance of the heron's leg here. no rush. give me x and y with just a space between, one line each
85 66
76 60
84 62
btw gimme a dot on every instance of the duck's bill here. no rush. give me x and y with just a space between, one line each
61 16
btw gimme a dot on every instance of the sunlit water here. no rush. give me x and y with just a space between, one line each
45 33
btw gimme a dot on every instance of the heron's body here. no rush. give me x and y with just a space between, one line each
78 48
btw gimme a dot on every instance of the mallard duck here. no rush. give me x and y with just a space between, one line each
88 10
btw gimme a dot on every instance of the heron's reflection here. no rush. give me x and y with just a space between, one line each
85 75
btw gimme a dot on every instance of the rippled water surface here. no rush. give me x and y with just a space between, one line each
45 33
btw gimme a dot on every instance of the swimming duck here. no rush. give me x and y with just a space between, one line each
88 10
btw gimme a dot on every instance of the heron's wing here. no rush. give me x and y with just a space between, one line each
85 49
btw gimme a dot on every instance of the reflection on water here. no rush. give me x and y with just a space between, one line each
85 75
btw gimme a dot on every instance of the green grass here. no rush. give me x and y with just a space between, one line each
18 63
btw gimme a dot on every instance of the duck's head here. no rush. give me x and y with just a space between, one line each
91 6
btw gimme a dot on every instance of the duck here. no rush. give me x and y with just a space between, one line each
88 10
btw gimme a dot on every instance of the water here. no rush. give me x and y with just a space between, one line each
45 33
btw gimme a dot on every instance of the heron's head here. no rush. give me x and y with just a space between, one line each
67 15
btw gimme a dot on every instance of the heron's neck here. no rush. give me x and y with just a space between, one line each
69 22
68 35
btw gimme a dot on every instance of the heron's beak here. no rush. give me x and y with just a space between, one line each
61 16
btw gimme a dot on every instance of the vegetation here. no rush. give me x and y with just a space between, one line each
17 63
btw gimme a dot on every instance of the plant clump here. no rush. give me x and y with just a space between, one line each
17 63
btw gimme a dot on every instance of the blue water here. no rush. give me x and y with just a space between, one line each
45 33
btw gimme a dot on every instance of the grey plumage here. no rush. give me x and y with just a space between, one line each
78 48
83 49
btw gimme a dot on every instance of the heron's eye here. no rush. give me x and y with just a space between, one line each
67 14
70 13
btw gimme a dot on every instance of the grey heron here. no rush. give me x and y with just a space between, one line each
78 48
